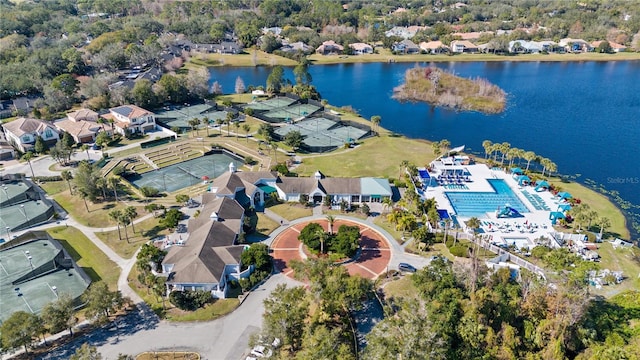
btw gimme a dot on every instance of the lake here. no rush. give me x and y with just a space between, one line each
585 116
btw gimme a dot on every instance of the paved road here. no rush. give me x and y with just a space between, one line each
225 338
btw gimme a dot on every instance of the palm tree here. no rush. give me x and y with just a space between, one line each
125 220
194 125
552 167
331 219
511 155
85 148
102 184
436 148
101 122
84 197
228 121
529 156
274 146
322 237
487 148
375 121
494 150
111 121
205 121
473 224
27 157
545 164
115 215
591 216
236 125
403 167
131 213
387 203
66 176
604 222
504 149
114 181
246 128
220 122
445 145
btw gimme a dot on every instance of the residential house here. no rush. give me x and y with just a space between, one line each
225 47
5 109
434 47
82 125
7 152
615 47
131 118
330 47
404 32
23 105
209 257
575 45
531 47
298 46
406 47
276 30
361 48
475 35
463 46
22 133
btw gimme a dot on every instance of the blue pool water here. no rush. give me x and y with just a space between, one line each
470 204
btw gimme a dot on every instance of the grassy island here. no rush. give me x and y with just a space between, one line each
441 88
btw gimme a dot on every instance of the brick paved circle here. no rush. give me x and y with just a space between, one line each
374 255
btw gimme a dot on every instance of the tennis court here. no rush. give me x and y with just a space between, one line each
28 213
34 274
187 173
292 112
180 116
271 104
321 134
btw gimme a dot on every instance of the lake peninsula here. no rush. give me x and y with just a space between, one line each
441 88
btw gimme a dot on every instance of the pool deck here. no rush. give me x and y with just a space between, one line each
533 225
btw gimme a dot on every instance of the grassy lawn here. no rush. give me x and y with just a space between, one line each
389 227
599 203
625 260
355 214
386 56
401 288
98 212
265 226
291 211
54 187
145 230
93 261
218 308
379 156
245 59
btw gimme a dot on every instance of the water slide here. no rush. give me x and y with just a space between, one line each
507 212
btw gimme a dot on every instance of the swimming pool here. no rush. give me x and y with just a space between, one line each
470 204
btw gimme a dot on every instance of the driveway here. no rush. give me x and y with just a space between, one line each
224 338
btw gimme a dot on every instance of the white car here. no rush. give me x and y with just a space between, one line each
261 352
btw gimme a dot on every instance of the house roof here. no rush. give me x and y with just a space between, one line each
465 43
375 186
83 114
471 35
210 246
78 128
131 111
21 126
613 45
294 185
340 185
360 46
227 184
330 44
432 45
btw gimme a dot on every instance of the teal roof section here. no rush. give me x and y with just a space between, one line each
375 186
267 189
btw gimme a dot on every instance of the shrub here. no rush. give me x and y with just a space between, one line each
539 252
459 250
47 178
440 236
365 209
190 300
253 280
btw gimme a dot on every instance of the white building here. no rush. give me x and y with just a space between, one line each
131 118
22 133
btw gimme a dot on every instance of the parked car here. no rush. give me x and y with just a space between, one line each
406 268
261 351
182 228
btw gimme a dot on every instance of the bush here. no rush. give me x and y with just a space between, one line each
253 280
540 252
440 236
47 178
190 300
459 250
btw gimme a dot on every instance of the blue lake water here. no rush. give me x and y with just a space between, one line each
585 116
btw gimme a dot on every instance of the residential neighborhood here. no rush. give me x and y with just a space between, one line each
273 179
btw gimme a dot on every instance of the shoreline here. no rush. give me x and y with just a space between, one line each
264 59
